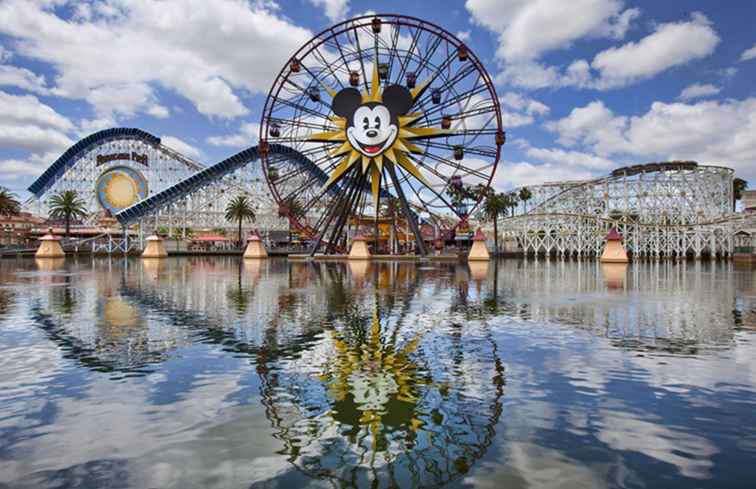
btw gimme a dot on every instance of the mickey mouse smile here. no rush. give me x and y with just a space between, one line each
372 127
372 131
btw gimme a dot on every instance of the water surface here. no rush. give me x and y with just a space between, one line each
211 372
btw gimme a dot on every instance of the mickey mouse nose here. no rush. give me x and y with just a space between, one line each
372 133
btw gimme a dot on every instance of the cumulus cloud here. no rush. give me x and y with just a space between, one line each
529 28
27 123
523 174
710 132
181 146
748 54
247 135
671 44
13 76
519 110
113 54
698 90
159 111
31 167
335 10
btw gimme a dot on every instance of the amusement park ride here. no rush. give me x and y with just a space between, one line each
384 118
376 116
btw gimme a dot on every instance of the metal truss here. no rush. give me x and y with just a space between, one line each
199 201
663 210
79 168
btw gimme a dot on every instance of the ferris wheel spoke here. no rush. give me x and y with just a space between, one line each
457 166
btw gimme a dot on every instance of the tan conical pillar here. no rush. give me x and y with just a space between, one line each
479 252
614 252
255 247
614 274
359 249
49 246
155 247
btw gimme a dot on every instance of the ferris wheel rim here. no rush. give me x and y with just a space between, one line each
352 25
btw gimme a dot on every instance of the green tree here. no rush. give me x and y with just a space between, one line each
494 204
525 196
291 208
240 209
738 186
67 205
9 205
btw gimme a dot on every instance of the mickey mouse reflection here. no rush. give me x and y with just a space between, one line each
372 403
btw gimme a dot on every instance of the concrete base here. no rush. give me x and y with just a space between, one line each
744 257
614 274
614 252
479 252
478 269
154 248
50 264
359 269
359 249
49 247
255 248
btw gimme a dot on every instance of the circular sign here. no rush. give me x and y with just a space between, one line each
120 187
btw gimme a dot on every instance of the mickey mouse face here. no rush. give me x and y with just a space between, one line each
372 127
372 131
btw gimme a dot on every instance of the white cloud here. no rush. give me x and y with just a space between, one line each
463 36
247 135
710 132
519 110
573 159
13 76
519 174
114 54
698 90
182 147
33 166
335 10
529 28
27 123
159 111
748 54
27 109
671 44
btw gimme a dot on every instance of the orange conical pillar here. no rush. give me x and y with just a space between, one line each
479 252
155 247
49 246
255 247
614 252
359 249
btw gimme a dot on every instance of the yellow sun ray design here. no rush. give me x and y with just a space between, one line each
395 154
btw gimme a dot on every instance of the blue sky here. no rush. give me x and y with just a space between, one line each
585 85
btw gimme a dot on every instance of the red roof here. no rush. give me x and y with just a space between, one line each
479 236
613 235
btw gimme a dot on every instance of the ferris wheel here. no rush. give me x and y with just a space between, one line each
394 114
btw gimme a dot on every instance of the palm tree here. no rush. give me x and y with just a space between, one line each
493 205
738 186
9 206
67 205
240 209
525 195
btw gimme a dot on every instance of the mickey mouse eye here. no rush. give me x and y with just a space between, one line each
365 123
377 122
